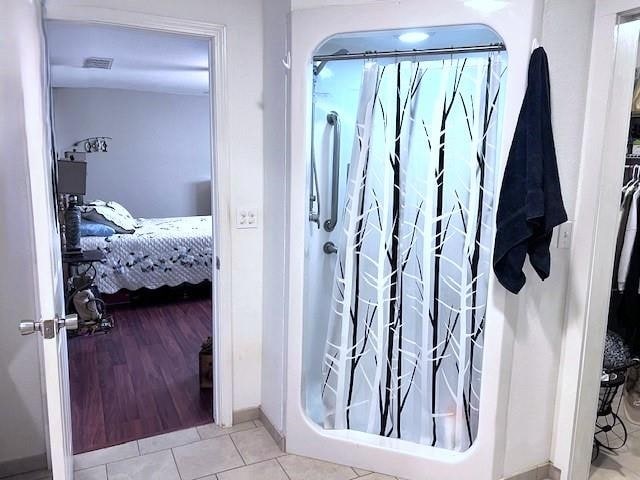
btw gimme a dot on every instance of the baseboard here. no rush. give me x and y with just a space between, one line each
541 472
246 415
23 465
273 431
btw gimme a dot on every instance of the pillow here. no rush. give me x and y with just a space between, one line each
120 209
93 229
114 216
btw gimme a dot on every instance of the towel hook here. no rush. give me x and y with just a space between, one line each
534 44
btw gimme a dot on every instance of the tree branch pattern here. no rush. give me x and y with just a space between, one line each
403 355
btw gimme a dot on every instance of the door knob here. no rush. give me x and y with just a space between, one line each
69 321
28 327
49 327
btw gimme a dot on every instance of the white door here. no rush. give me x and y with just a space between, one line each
28 140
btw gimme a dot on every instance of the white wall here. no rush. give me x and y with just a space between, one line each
276 37
158 163
21 413
566 35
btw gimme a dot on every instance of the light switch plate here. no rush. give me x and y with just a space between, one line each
565 232
246 217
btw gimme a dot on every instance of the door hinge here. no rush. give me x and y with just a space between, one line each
217 263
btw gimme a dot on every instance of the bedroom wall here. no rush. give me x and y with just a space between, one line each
158 163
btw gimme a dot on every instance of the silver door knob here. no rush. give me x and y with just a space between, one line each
70 322
49 327
28 327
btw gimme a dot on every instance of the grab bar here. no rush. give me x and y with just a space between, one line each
334 121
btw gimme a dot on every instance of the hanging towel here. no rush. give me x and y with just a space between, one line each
530 204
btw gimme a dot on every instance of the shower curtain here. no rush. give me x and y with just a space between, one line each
403 354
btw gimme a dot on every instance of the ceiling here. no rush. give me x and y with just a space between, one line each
142 59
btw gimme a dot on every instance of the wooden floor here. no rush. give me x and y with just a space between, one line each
141 379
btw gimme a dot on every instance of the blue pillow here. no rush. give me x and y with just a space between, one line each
93 229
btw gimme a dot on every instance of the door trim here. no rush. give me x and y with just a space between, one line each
609 92
221 172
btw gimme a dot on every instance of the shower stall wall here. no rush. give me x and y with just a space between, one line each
399 347
396 293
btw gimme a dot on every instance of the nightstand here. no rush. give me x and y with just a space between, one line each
77 278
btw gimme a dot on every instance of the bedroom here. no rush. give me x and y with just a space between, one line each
132 134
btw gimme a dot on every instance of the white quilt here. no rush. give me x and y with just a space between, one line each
163 251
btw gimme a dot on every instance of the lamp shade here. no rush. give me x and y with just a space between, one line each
72 177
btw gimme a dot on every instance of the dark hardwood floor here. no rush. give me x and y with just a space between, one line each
141 379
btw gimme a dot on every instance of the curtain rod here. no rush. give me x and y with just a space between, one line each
498 47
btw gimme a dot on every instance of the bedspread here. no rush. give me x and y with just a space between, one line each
162 251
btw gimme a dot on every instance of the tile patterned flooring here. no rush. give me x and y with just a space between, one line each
243 452
624 463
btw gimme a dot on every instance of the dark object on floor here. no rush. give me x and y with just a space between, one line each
146 296
530 203
611 431
206 364
616 353
142 378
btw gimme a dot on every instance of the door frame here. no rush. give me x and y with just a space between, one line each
220 148
609 94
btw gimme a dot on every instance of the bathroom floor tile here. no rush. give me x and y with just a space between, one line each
93 473
256 445
212 430
155 466
168 440
206 457
269 470
361 472
376 476
302 468
106 455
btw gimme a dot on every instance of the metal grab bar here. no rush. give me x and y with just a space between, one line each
334 121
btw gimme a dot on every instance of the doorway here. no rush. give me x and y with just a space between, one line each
131 130
594 389
49 321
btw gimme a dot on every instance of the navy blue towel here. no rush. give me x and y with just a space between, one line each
530 203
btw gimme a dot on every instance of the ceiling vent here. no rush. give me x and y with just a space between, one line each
96 62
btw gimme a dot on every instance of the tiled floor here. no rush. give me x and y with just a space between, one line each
624 463
243 452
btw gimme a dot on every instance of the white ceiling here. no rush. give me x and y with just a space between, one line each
142 59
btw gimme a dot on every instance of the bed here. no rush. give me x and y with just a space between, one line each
160 252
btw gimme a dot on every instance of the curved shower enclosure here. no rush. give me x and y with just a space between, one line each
401 195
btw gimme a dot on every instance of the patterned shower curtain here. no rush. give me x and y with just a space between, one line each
403 355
